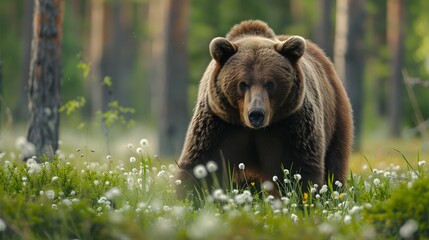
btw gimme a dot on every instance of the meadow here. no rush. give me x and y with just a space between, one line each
130 194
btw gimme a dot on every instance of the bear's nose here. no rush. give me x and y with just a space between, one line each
256 117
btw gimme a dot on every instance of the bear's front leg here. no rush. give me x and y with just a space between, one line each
203 134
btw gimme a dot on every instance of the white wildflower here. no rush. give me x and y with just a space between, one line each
130 146
144 142
211 166
420 163
3 225
26 148
275 178
269 198
50 194
376 181
161 173
139 150
20 142
286 172
326 228
55 178
294 218
324 189
166 208
200 171
219 195
66 202
33 166
178 211
178 182
206 224
347 219
109 157
338 184
267 185
96 182
241 166
2 155
354 210
172 167
113 193
285 200
408 229
132 159
297 176
336 195
245 197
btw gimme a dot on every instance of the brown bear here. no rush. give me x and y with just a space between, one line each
270 102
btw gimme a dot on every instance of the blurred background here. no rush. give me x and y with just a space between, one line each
147 57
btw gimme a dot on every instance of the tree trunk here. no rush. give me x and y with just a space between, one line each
44 81
157 18
173 115
395 42
119 51
349 56
95 52
1 97
27 27
324 27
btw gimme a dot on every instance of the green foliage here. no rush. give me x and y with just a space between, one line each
107 81
409 202
116 112
85 68
73 105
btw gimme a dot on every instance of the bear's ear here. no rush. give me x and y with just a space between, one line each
293 48
221 49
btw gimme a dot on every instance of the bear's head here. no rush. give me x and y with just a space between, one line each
256 80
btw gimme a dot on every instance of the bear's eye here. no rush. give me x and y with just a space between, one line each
242 86
269 85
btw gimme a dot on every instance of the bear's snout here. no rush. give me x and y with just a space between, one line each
256 117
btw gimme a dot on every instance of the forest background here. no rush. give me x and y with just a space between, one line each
154 53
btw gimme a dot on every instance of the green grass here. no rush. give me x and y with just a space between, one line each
74 197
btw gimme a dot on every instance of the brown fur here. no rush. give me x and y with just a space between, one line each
308 121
